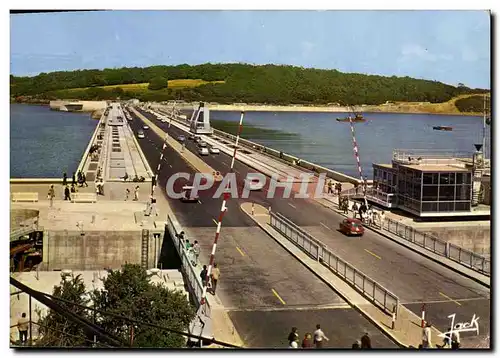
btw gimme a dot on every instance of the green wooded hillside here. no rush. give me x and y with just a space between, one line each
267 84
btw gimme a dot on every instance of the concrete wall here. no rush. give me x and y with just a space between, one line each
88 106
476 238
95 250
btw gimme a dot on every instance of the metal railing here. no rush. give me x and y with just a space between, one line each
194 279
369 288
440 247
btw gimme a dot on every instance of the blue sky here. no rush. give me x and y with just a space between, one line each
447 46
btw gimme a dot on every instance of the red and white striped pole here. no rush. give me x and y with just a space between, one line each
155 181
423 315
221 214
356 155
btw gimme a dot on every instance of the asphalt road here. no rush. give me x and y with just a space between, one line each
258 277
415 279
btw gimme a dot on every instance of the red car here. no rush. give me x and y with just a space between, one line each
352 227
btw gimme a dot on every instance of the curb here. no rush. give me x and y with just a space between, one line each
344 297
416 250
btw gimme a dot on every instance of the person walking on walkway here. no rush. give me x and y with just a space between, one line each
127 193
293 335
84 180
65 179
22 326
366 342
73 188
51 195
73 179
426 336
215 278
319 337
136 193
79 178
354 209
203 275
196 253
67 193
330 189
307 342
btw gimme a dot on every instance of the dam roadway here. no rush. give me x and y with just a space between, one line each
413 278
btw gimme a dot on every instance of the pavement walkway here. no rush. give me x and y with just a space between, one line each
407 331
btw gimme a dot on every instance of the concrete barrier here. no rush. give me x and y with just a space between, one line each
24 197
83 198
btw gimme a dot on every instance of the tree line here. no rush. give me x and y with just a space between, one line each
266 84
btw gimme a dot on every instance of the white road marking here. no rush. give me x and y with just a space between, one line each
324 226
293 206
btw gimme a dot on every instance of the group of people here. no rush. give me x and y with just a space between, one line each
310 341
210 282
79 178
337 186
451 341
136 194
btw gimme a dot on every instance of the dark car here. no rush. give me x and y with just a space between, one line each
352 227
181 138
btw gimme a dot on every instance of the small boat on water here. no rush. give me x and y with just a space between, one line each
442 128
357 118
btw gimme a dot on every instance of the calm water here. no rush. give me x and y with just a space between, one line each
324 141
45 143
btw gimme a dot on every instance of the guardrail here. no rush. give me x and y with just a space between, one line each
24 197
369 288
440 247
193 278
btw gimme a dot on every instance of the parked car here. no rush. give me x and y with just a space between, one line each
197 139
214 150
145 127
202 144
352 226
140 135
181 138
191 136
203 151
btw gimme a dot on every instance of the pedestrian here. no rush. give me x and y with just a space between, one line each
101 185
188 245
339 189
51 194
79 178
366 342
307 342
356 345
22 326
330 189
354 209
426 336
382 219
84 180
136 193
293 335
196 252
319 336
73 179
203 275
73 189
65 179
215 278
455 340
66 193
